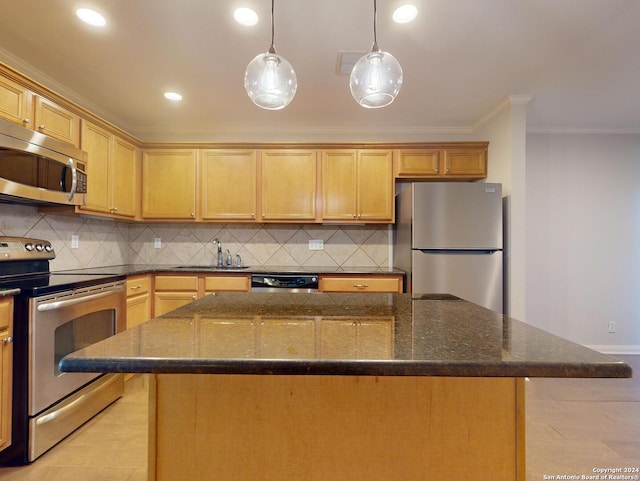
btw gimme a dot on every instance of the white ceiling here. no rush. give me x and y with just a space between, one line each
461 59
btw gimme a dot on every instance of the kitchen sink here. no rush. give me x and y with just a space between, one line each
214 268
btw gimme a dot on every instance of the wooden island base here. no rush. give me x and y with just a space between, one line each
337 428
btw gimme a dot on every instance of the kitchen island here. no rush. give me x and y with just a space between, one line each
266 386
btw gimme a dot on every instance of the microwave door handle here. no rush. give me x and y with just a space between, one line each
74 179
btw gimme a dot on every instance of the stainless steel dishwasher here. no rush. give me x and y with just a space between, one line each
297 283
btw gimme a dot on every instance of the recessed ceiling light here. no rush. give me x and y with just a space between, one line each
172 96
91 17
245 16
405 14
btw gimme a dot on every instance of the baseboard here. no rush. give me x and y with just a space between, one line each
616 349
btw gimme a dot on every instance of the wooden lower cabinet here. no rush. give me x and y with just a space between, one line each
227 283
6 370
138 300
316 428
173 291
360 283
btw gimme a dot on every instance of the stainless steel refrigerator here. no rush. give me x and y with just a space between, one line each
448 238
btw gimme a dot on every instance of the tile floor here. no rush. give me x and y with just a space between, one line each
573 427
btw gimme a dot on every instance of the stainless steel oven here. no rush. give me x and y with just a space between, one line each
58 325
55 314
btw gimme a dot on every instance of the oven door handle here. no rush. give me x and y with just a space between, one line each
52 306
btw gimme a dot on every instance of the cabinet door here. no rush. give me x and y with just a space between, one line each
169 184
96 142
6 370
14 102
417 163
125 178
138 310
375 185
288 185
229 184
339 185
164 302
238 283
56 121
465 163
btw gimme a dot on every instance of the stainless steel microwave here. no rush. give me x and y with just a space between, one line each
37 169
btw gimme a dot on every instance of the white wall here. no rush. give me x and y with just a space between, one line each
583 238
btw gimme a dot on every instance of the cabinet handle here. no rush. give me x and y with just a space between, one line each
26 121
193 297
437 171
193 214
133 288
41 127
360 286
8 340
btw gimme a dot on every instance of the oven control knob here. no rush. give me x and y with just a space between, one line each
39 247
48 247
29 246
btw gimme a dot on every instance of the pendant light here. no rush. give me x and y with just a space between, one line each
377 77
270 80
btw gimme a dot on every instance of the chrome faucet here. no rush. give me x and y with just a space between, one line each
229 259
217 241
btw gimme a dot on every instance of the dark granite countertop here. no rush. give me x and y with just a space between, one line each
341 334
133 269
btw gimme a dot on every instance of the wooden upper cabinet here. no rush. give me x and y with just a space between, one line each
465 161
376 187
112 173
55 121
229 184
288 183
125 178
96 142
339 197
15 102
169 183
357 185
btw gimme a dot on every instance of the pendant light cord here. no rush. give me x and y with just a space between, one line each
272 49
375 48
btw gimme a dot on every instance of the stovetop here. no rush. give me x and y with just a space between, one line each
24 265
41 284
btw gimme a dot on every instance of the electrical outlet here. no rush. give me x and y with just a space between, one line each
612 326
316 245
75 241
157 242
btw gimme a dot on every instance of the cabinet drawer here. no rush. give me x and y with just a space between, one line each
176 283
240 283
360 284
138 285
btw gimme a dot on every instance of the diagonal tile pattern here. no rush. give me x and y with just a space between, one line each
103 242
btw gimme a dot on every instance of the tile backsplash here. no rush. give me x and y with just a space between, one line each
104 242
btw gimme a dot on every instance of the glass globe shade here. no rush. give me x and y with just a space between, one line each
376 79
270 81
